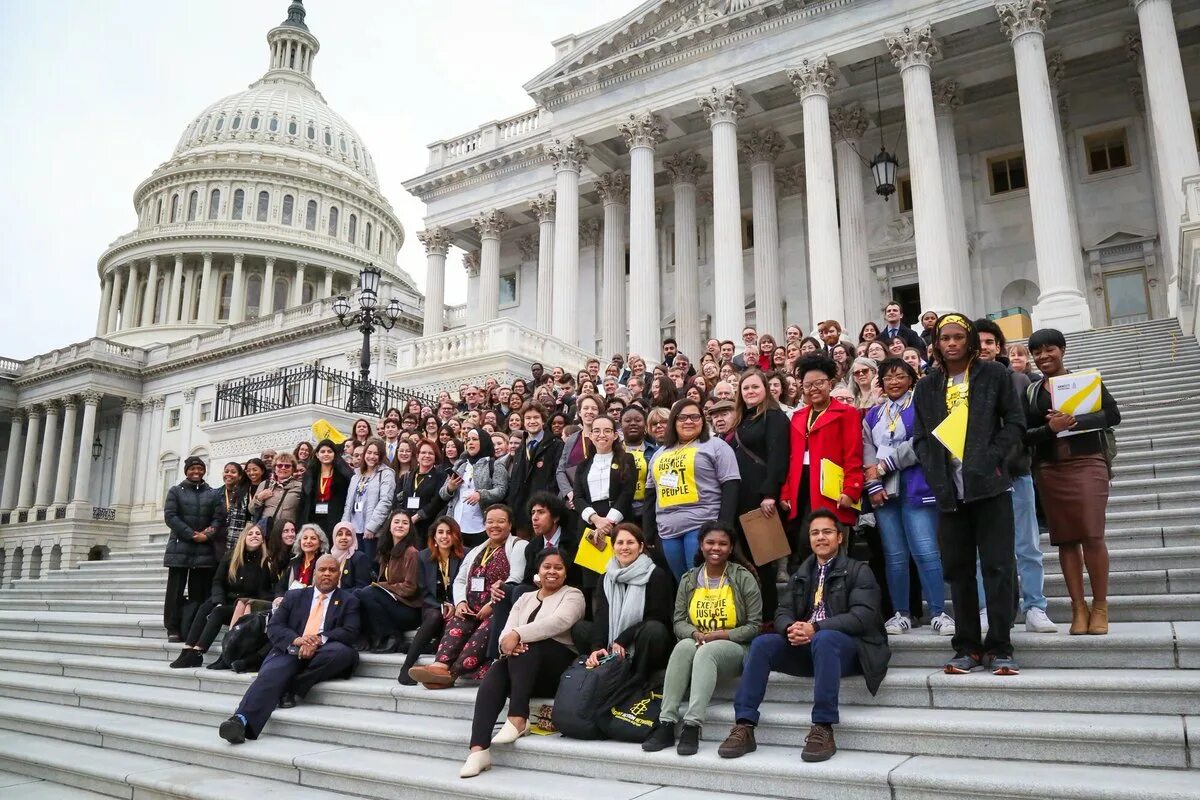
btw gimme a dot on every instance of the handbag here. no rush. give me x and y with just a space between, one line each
580 699
633 714
246 644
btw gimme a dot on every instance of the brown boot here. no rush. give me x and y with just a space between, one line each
1098 621
819 744
1079 617
739 742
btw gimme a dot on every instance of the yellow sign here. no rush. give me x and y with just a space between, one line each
833 482
589 557
713 609
323 429
1076 392
952 432
675 477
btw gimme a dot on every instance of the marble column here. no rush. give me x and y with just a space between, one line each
122 492
298 286
685 170
437 244
152 431
267 301
207 313
173 310
237 293
913 51
106 289
761 148
723 107
1056 68
114 303
945 100
859 287
1061 303
812 81
1170 121
128 305
642 131
544 209
191 301
66 446
29 463
12 461
489 225
568 157
149 302
327 290
83 472
47 467
613 188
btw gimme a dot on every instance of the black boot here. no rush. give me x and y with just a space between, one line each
662 737
689 740
188 659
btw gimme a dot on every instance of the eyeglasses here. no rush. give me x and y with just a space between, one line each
814 385
823 531
689 417
860 372
283 466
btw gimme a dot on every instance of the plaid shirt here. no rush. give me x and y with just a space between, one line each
235 515
818 612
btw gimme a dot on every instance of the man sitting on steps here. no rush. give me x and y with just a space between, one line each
313 632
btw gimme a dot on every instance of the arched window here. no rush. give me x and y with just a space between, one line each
354 147
220 123
352 228
379 247
214 203
193 201
292 127
55 558
225 293
160 305
273 125
280 295
289 204
239 203
311 132
310 216
253 296
237 123
18 562
35 563
307 293
264 203
204 127
342 143
333 221
174 208
254 122
367 240
158 211
328 138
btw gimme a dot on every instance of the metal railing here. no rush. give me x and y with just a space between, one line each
301 386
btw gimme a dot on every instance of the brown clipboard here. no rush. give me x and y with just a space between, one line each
765 536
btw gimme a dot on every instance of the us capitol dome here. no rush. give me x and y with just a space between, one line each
270 200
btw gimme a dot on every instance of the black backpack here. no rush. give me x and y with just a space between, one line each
582 695
246 644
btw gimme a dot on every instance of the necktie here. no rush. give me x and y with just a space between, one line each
818 613
315 617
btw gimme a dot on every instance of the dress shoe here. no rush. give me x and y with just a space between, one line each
188 659
220 663
233 730
819 744
479 761
510 733
288 700
436 673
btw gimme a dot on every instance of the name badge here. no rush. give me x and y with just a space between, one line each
358 506
414 502
321 508
805 456
477 584
669 480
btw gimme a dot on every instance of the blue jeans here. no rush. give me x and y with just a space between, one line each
680 552
1026 546
907 530
368 546
830 655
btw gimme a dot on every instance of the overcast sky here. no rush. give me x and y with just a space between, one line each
95 95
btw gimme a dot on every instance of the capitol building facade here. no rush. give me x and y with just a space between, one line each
689 168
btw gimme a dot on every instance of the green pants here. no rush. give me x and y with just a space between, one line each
697 669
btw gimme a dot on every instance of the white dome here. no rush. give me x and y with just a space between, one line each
283 113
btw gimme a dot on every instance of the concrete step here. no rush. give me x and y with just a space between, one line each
98 583
140 607
1135 582
132 625
1132 608
1185 469
1135 559
22 787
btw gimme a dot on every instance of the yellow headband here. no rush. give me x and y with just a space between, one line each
954 319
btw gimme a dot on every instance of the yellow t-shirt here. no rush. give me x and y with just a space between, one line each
713 609
675 477
639 460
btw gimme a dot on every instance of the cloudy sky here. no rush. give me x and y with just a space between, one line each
95 96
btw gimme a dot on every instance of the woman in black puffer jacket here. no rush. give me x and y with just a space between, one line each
192 511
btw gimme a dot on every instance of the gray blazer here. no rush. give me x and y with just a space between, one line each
491 481
377 497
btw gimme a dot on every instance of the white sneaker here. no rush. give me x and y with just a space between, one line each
983 623
1036 621
898 624
943 625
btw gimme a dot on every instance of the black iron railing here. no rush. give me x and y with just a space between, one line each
300 386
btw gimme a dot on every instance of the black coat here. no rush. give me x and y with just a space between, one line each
337 498
568 543
621 485
191 508
429 504
1044 440
763 446
251 580
356 572
428 576
292 572
660 606
995 428
528 476
852 603
911 338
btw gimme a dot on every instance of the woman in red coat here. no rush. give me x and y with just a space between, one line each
821 429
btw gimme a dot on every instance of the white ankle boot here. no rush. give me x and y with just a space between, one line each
479 761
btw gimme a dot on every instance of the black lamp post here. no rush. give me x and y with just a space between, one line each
97 449
362 394
884 164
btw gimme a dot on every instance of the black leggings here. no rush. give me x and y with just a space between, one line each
383 615
432 625
516 679
207 623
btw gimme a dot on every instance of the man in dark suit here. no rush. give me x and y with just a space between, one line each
534 465
313 632
894 328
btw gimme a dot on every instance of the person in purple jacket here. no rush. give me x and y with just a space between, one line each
905 509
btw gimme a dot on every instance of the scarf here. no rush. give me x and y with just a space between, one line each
344 555
625 588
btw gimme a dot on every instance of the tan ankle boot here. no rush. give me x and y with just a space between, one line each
1098 621
1079 617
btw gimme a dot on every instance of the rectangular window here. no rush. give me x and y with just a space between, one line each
173 417
1106 151
1007 173
904 194
206 411
508 290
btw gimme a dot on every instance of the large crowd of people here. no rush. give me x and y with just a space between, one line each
563 520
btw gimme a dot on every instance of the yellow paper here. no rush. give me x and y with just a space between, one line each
323 429
952 432
589 557
1076 392
833 482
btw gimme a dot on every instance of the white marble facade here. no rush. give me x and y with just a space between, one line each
1056 98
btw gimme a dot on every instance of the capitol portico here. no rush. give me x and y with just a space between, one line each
692 167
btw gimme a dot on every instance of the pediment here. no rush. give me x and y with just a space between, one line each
1121 236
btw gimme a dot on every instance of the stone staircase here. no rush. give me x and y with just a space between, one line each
87 700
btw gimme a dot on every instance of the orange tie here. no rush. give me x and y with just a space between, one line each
315 617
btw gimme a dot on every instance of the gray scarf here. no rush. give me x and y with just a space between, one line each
625 588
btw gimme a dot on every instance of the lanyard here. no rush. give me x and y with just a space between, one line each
812 419
894 419
486 556
444 569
